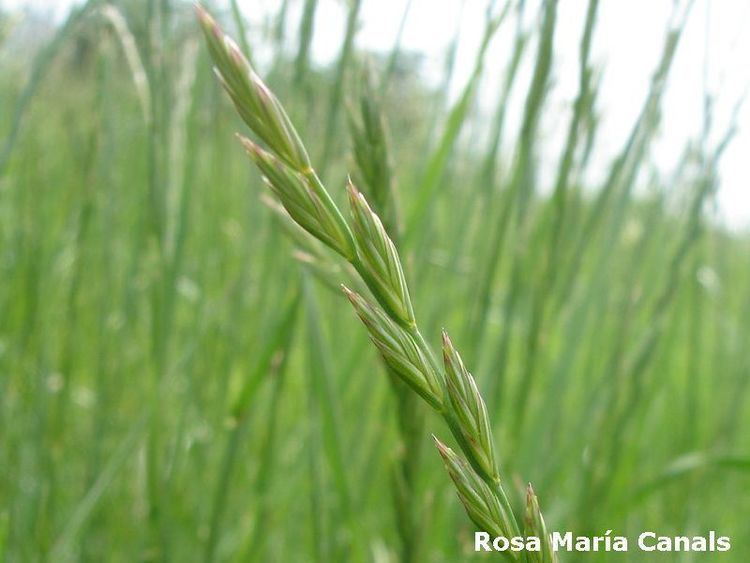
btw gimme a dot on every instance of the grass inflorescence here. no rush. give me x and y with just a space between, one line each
182 376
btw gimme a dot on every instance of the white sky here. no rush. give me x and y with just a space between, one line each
627 43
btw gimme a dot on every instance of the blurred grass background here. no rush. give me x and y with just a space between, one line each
175 386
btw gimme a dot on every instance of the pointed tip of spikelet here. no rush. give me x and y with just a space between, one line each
349 293
200 11
206 19
447 343
443 450
351 191
247 144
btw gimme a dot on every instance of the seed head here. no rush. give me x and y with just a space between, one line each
255 103
300 199
534 526
380 259
469 411
399 350
481 504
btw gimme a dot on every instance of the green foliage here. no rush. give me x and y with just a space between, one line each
173 385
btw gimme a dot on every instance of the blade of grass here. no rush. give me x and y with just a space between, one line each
337 88
439 158
279 342
62 547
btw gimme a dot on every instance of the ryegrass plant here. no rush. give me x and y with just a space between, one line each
173 387
450 390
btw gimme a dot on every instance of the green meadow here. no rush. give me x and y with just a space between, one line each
182 379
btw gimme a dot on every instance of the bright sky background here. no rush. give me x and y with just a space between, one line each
627 43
